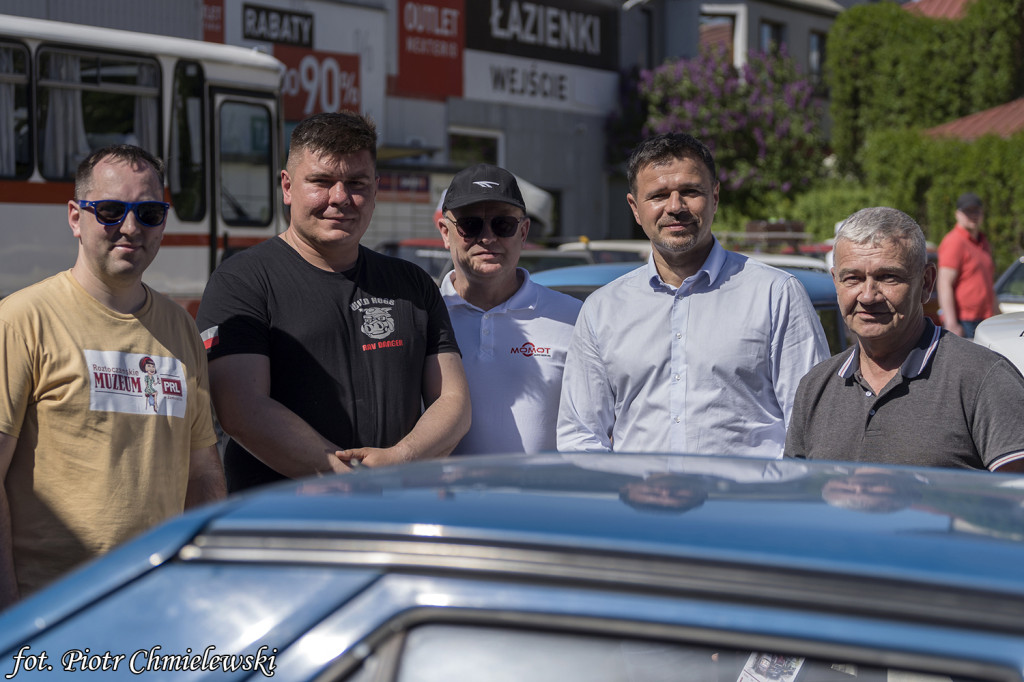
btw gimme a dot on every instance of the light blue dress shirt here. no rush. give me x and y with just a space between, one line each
709 368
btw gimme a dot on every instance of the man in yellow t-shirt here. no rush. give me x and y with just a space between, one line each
105 419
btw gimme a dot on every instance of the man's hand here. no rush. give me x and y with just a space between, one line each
373 457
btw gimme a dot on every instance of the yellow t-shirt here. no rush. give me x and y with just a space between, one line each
106 408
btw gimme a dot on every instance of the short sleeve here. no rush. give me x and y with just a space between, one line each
232 317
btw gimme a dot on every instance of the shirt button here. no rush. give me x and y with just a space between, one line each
871 413
675 378
487 332
679 335
867 393
675 419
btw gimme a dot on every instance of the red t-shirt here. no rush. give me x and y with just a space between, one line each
972 260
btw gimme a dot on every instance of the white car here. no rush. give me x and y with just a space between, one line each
1004 334
612 250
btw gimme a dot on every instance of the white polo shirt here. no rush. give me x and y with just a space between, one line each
514 355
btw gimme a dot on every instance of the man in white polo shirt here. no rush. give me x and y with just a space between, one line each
513 333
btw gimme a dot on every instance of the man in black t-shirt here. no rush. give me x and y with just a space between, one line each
323 352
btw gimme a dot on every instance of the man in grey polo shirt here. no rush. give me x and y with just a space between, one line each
907 392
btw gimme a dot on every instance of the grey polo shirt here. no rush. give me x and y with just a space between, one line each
952 404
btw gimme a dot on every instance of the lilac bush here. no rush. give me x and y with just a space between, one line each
762 122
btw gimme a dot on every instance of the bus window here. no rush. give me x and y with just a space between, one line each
15 141
83 97
246 172
186 170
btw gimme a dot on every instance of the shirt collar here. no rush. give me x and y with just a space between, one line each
710 270
525 297
917 360
967 235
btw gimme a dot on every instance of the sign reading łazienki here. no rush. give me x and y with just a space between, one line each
556 54
564 31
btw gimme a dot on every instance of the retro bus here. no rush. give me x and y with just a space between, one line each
211 111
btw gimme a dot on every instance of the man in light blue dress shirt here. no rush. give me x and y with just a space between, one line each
701 349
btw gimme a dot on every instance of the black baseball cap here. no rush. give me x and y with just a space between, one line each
482 182
968 200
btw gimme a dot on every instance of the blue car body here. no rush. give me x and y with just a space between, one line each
559 567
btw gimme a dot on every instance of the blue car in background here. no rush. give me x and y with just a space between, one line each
558 568
582 280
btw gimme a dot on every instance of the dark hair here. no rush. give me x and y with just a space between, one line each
127 153
661 148
334 134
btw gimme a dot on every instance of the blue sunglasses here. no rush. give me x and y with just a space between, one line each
112 212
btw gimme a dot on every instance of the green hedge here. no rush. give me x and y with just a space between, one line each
889 68
923 176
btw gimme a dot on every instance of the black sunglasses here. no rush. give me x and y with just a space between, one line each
111 212
502 226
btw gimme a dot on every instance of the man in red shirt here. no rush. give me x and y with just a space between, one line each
966 271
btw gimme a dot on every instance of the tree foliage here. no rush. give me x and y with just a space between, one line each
889 68
762 122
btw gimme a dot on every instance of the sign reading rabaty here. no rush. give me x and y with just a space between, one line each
331 50
277 25
558 54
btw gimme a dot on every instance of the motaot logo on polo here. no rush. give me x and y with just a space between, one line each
529 350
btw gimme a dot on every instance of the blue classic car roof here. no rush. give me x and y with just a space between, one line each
896 544
936 526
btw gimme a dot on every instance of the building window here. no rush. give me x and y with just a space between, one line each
466 147
717 32
816 60
772 36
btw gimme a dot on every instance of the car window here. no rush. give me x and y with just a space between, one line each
434 261
614 256
835 328
245 614
1012 283
465 653
535 262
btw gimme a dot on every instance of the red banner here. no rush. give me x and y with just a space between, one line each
431 37
213 21
316 81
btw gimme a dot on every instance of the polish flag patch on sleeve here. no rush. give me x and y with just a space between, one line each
211 337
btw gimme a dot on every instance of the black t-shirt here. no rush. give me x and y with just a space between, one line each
346 350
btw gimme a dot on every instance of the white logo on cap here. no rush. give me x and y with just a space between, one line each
486 184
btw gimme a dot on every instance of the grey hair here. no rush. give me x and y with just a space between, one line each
881 224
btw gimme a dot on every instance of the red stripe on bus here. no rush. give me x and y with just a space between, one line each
25 192
185 239
173 239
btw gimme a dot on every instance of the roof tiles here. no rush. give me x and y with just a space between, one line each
1003 120
938 9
